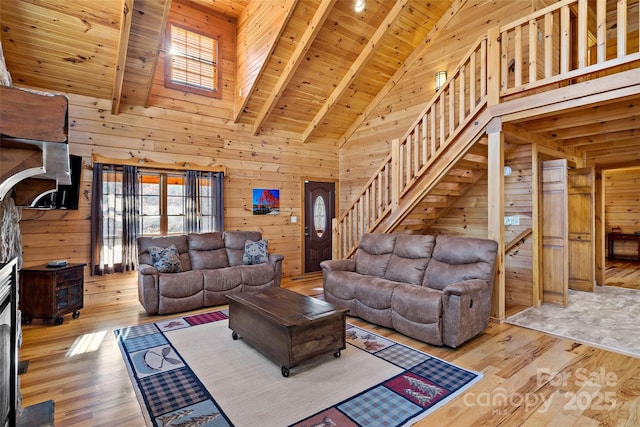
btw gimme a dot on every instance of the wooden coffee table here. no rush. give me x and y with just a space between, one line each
287 327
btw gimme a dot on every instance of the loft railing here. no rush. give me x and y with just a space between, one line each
573 39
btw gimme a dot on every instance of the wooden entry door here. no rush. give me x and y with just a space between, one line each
319 203
582 270
554 260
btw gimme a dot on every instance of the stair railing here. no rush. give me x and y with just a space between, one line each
503 56
462 96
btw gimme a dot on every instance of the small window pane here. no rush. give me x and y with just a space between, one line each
150 225
150 205
319 216
175 225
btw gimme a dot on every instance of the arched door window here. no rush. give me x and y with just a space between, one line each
319 216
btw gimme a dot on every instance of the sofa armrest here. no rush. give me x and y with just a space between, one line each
273 258
276 261
466 287
466 307
148 293
146 269
339 265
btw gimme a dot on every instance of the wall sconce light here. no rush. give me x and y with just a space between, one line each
507 170
358 6
441 77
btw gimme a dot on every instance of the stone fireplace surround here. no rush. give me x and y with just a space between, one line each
10 258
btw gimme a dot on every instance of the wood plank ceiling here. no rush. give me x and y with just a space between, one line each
327 69
327 65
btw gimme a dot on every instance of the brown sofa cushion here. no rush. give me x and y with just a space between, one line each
257 274
234 242
373 253
410 258
417 303
180 242
207 251
455 259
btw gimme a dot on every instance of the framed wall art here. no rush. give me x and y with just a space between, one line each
266 201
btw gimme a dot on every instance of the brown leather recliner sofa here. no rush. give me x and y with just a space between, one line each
434 289
211 266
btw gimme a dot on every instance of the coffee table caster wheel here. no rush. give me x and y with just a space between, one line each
337 354
59 320
75 314
234 336
285 372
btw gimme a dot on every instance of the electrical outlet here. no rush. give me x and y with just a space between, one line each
515 220
294 219
507 220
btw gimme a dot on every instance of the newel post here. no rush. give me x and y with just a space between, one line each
495 214
335 240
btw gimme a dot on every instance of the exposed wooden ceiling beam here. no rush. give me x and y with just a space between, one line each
408 63
361 61
294 62
587 116
121 55
156 53
604 139
289 6
519 134
600 127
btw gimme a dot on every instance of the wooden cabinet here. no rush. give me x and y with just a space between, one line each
51 292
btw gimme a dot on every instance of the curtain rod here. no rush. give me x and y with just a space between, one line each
144 162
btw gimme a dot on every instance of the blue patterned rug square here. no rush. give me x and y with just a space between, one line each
189 371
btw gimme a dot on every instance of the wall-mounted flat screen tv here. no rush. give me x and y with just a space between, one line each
66 196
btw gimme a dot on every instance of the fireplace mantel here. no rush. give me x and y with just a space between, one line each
33 138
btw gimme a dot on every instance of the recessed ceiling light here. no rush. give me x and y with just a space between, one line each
359 6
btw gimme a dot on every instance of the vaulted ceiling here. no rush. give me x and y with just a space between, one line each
317 74
326 66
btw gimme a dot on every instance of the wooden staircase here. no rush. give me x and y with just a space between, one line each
444 153
456 183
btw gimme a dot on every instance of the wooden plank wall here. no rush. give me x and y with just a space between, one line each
468 217
622 205
364 151
185 128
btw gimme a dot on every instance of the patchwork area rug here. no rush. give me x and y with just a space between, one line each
190 372
606 318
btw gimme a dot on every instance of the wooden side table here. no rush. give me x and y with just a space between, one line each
51 292
621 237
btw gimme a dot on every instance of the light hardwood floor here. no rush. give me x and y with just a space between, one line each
530 378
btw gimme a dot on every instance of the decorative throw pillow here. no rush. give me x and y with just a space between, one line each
165 260
255 252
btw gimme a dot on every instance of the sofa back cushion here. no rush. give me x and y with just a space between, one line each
179 241
410 258
207 251
373 253
456 259
234 242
